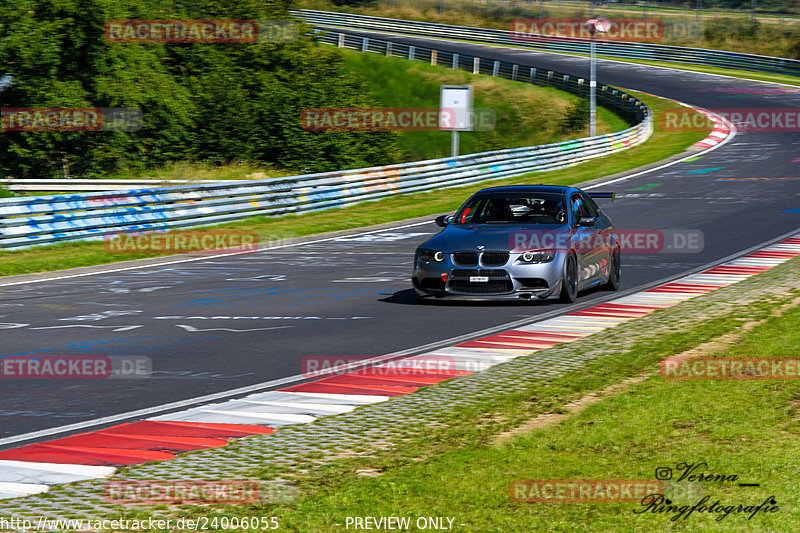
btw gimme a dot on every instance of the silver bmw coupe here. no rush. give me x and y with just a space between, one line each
520 242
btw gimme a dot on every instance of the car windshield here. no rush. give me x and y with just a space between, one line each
513 208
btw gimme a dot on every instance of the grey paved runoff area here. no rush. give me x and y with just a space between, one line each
276 458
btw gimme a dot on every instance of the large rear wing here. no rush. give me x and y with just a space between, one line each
602 195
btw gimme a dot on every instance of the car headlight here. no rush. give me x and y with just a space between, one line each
537 256
431 256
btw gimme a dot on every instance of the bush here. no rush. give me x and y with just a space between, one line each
576 116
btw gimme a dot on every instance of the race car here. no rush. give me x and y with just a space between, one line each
529 242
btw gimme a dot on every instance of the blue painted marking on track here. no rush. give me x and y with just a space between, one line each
227 297
795 210
110 347
704 170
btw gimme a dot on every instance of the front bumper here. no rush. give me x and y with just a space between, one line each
512 281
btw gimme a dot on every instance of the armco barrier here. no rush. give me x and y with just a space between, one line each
621 102
631 50
86 184
42 220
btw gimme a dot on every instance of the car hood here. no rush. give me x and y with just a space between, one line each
491 236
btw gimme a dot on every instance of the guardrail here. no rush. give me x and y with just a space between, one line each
43 220
621 102
69 184
629 50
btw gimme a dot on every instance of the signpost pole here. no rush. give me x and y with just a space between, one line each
592 90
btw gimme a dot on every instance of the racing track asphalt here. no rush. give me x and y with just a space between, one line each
351 295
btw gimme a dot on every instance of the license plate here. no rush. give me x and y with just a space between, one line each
479 279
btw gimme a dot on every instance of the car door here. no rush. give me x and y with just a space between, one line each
582 238
585 236
601 237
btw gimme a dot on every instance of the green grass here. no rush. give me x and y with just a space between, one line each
743 428
525 115
662 144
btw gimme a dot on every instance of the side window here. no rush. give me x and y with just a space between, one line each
578 207
471 213
591 207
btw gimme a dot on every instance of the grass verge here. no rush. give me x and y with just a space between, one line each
525 115
741 428
199 171
662 144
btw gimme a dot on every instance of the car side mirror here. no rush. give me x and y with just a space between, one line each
443 220
586 222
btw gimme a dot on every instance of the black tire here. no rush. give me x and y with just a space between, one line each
569 280
614 271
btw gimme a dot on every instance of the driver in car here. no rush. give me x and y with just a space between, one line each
554 210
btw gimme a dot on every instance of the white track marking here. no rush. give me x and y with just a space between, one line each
194 329
205 258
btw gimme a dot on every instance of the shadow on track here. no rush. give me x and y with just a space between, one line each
406 297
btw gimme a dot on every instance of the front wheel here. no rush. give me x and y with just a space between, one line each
569 281
614 270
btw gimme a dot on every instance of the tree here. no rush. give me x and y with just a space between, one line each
210 102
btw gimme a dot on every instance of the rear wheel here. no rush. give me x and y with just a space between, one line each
569 280
614 271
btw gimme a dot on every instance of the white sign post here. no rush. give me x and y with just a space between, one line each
455 111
